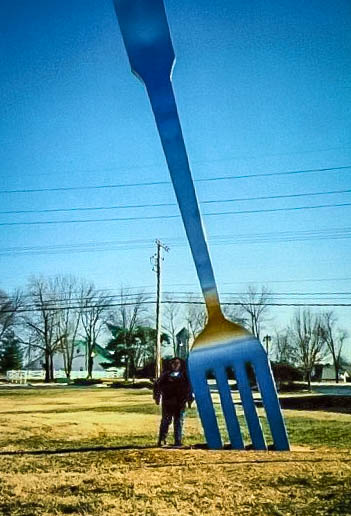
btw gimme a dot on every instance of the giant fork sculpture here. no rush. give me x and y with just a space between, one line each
222 344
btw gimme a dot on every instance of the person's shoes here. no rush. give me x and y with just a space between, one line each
161 443
177 445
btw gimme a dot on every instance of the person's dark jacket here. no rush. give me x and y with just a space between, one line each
174 389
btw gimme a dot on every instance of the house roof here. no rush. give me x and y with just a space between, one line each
103 352
183 333
99 350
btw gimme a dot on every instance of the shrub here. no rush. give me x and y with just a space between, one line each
286 372
87 381
292 387
146 384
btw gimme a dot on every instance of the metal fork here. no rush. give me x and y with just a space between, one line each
222 344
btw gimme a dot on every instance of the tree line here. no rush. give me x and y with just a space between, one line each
51 314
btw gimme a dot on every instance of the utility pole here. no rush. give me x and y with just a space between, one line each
157 261
267 340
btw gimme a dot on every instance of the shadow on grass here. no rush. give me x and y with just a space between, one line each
264 458
135 408
321 402
78 450
128 409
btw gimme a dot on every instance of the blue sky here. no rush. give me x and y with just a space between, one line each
262 87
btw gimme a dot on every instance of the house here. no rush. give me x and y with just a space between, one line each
79 362
326 373
183 343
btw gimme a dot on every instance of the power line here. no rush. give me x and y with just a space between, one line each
301 280
193 161
185 302
268 281
158 217
334 233
76 303
167 204
142 291
109 297
69 297
268 174
154 183
265 304
57 303
141 288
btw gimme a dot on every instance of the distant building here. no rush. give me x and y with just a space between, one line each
326 373
183 343
79 362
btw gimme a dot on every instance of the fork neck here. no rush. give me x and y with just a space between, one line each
166 115
213 307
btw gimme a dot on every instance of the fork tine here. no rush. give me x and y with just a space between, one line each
249 407
228 408
271 405
205 408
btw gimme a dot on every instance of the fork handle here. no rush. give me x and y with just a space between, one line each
147 39
164 107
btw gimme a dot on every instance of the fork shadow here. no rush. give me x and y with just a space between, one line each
76 450
59 451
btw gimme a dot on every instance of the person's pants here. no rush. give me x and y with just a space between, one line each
169 413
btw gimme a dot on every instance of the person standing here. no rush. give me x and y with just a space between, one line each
173 390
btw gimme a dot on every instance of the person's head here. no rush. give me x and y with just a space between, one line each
176 364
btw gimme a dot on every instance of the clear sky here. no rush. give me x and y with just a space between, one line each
262 88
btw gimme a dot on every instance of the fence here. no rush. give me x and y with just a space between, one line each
23 376
17 376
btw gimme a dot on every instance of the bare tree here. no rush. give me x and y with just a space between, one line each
126 323
334 338
234 313
255 306
284 350
68 318
132 311
195 316
8 312
171 317
41 321
307 338
94 307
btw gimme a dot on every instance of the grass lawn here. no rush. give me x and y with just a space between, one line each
91 451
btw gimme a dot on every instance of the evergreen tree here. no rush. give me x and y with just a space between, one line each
133 348
10 354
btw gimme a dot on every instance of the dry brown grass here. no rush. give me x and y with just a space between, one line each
49 465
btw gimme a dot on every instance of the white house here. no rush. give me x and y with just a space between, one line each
328 374
79 362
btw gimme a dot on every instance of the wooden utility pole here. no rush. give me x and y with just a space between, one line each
267 340
157 268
